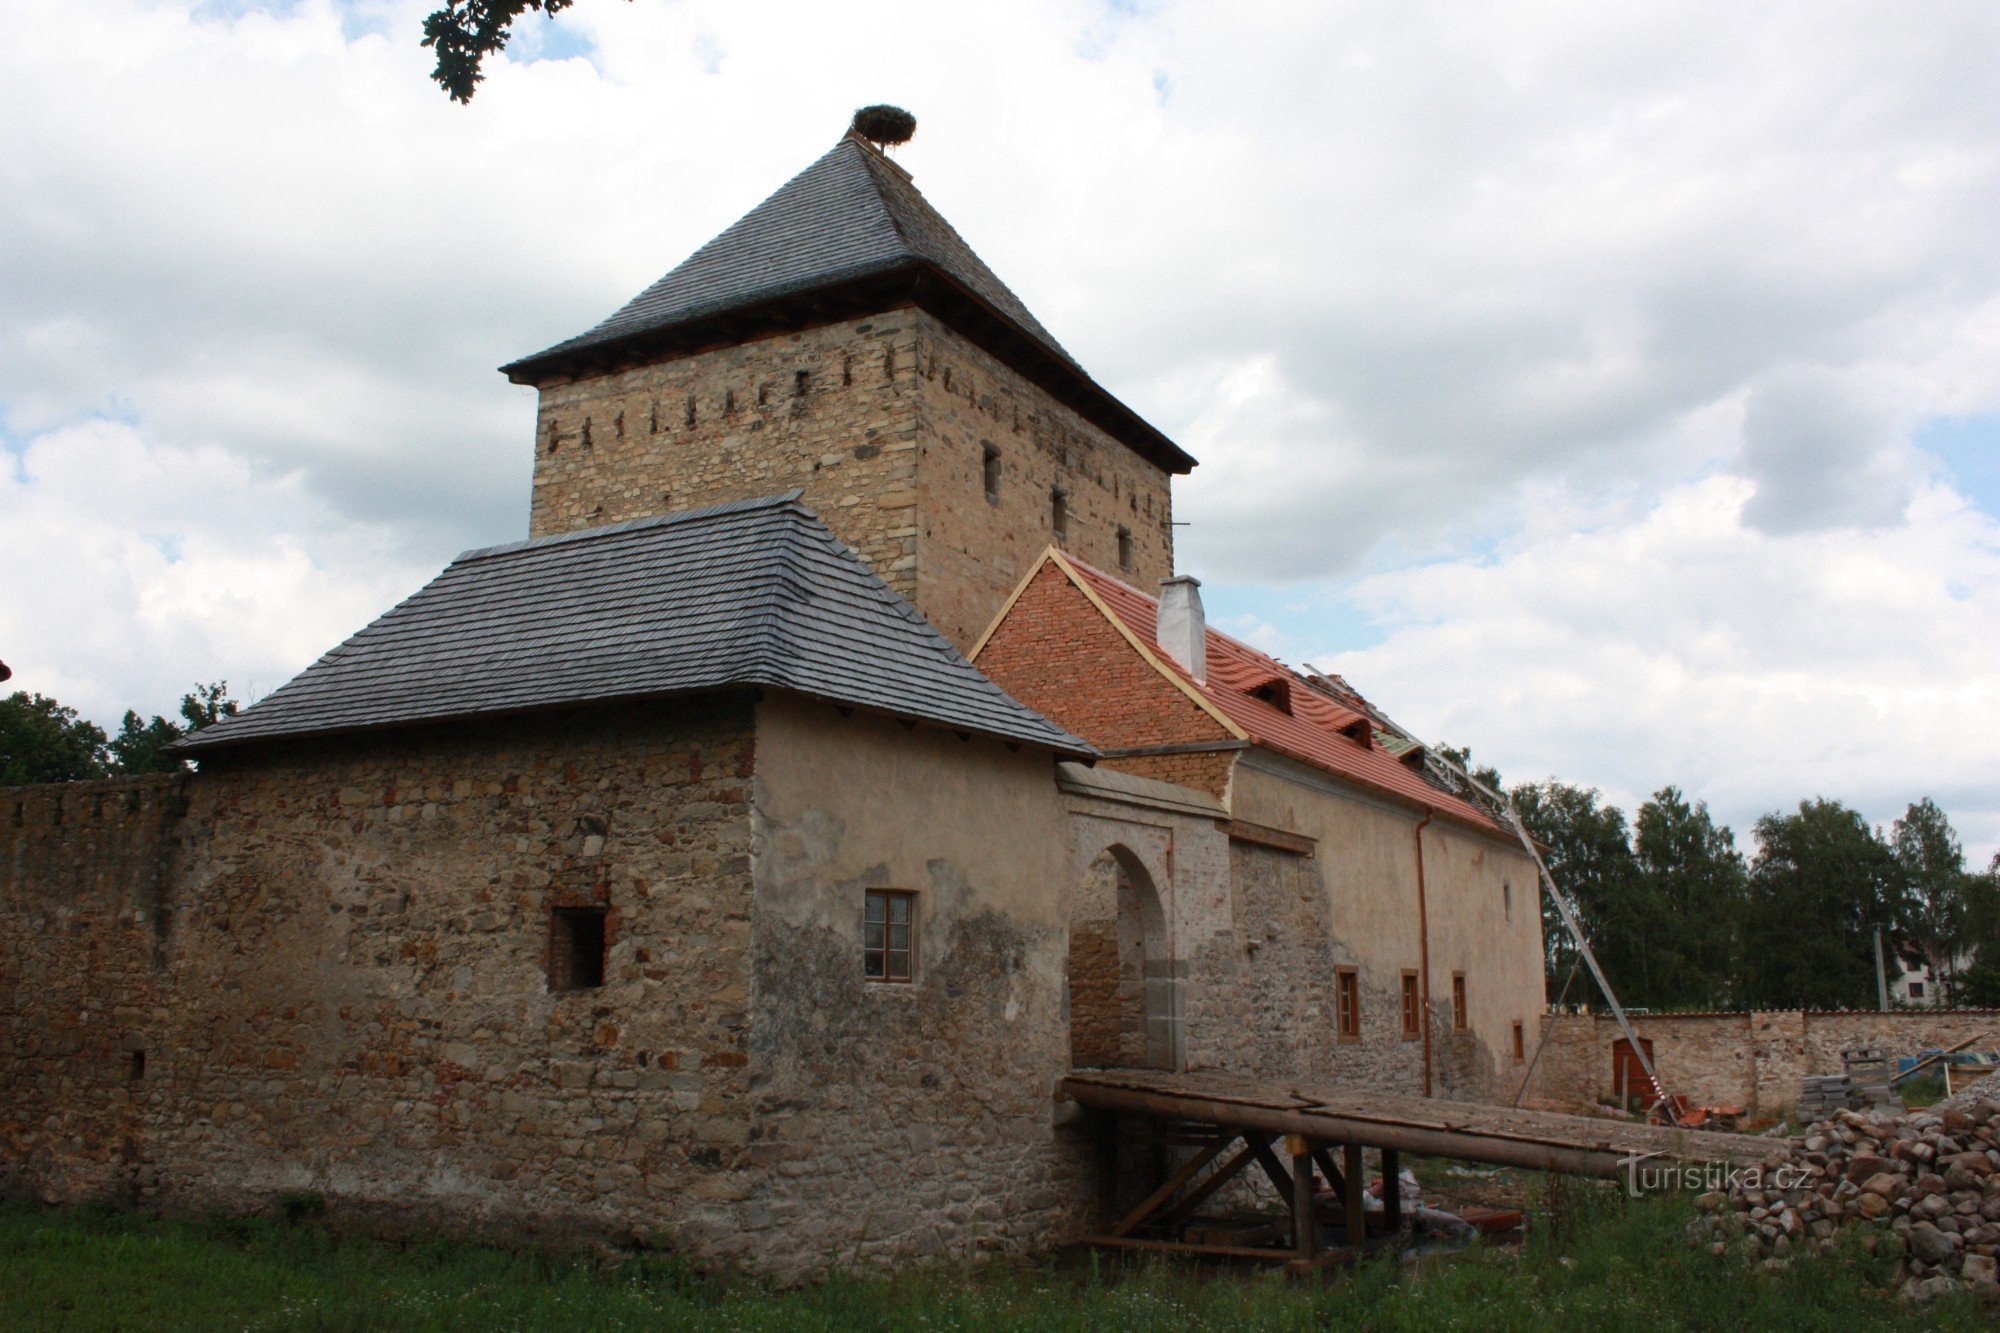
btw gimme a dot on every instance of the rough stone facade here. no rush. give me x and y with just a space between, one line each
1757 1060
885 423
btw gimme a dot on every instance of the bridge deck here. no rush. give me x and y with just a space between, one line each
1467 1131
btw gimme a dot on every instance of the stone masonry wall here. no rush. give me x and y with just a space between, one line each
974 548
883 422
1755 1060
831 411
350 990
82 920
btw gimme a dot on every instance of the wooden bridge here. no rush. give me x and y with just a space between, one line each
1234 1123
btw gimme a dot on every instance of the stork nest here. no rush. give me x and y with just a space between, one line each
885 124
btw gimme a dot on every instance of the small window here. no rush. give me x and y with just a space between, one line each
990 472
889 939
1347 1003
1520 1043
1507 899
1916 990
1459 1021
576 948
1125 549
135 1065
1413 1007
1059 514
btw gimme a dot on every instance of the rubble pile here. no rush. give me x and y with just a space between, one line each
1924 1183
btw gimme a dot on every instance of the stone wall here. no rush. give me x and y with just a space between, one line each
974 548
83 919
884 423
892 1120
1755 1060
343 984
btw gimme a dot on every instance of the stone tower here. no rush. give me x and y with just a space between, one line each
842 339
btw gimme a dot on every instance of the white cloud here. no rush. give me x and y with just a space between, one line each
1687 646
156 567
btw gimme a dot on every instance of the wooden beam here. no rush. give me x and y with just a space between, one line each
1223 1174
1263 835
1281 1179
1305 1233
1357 1216
1179 1247
1334 1179
1130 1222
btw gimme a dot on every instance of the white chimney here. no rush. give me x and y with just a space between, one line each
1183 629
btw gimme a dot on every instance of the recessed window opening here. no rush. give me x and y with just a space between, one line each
1459 1019
1347 1004
889 943
576 948
1413 1007
135 1065
1059 514
990 472
1507 899
1125 549
1520 1042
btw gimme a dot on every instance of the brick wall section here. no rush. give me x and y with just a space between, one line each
1755 1060
883 422
974 549
82 919
1056 653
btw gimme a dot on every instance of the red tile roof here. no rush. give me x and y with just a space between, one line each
1310 733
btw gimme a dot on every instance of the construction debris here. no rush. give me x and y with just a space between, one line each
1925 1184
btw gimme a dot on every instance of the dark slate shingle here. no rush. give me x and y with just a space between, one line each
850 215
756 593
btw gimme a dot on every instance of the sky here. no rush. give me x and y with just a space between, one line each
1612 389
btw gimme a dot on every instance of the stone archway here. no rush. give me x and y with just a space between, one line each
1124 1000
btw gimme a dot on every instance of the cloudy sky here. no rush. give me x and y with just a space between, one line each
1612 388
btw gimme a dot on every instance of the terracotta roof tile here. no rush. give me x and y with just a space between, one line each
1312 732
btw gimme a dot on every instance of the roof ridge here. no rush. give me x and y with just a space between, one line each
632 525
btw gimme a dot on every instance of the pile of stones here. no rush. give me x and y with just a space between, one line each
1925 1184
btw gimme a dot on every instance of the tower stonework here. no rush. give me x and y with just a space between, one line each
843 341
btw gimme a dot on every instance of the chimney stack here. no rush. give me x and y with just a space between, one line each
1183 629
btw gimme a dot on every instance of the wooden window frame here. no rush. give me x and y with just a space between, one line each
1461 1006
1413 1005
881 957
1347 1005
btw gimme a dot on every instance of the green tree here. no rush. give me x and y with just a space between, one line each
137 746
465 32
1589 855
1936 890
43 741
1822 881
1695 881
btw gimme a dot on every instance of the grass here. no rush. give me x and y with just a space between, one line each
1599 1262
1918 1093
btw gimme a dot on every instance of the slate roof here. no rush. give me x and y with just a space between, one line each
852 228
756 593
852 214
1317 731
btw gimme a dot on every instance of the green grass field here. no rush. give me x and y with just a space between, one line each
1603 1264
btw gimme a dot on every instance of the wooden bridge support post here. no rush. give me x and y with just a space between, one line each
1305 1232
1357 1217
